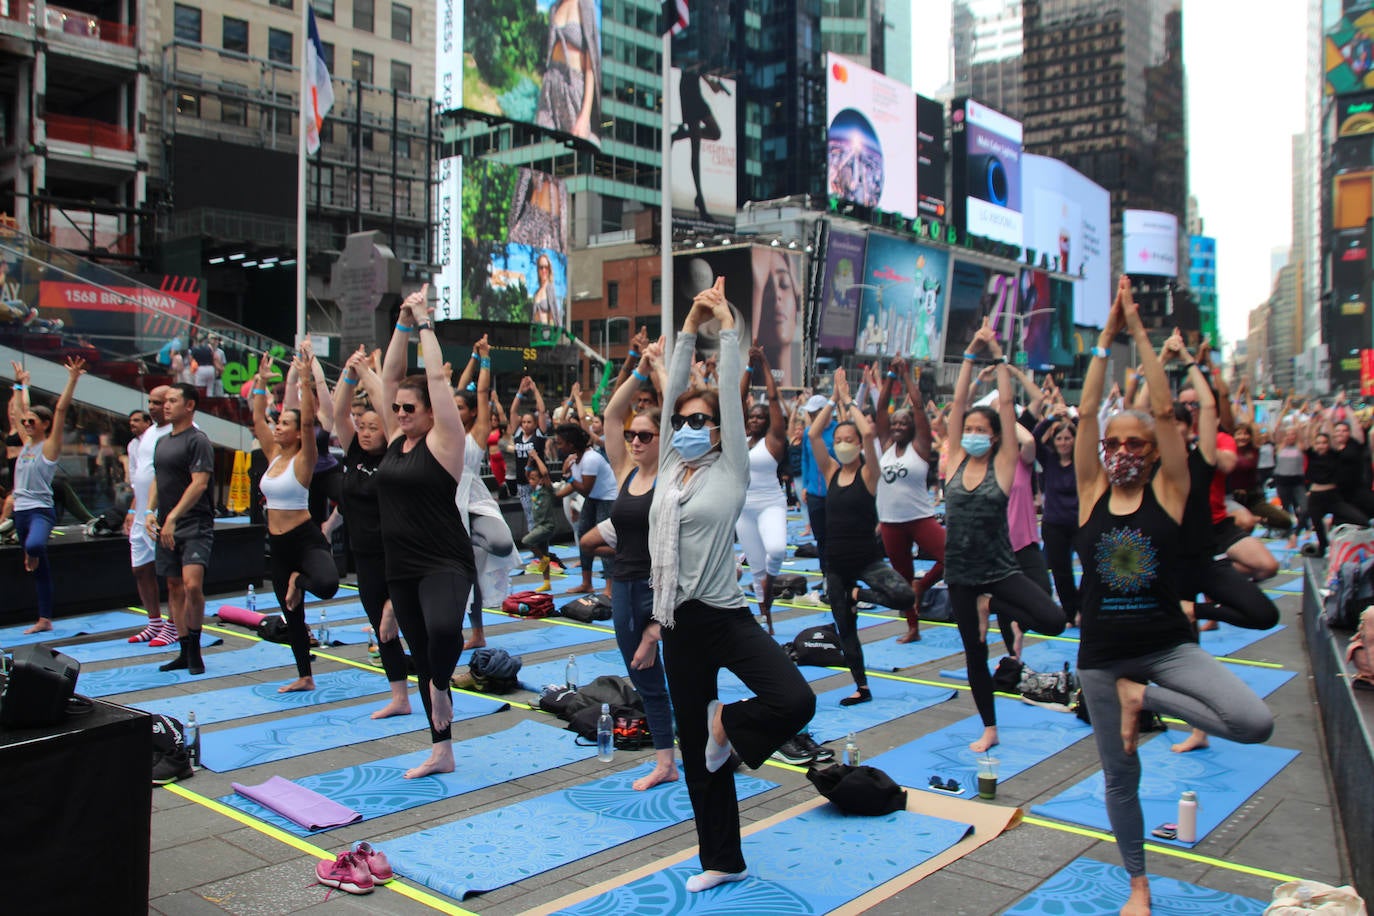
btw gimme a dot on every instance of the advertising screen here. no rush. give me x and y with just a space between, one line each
975 293
1067 224
703 164
1149 243
1348 49
1046 331
903 313
1355 115
840 292
931 195
1350 316
986 147
515 244
872 131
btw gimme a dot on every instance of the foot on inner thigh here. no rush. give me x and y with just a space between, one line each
1194 741
442 705
1138 904
299 685
1132 696
987 742
293 592
440 761
709 879
42 626
663 772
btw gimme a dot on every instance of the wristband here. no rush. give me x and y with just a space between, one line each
261 391
749 369
475 355
1190 364
970 356
349 381
17 387
1000 360
471 386
131 512
485 363
1100 352
634 355
152 512
830 401
891 374
638 375
404 329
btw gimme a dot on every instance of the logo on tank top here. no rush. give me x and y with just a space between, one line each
1127 562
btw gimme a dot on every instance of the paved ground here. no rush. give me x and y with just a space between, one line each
205 862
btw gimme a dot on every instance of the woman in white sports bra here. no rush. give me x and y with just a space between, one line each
762 524
302 560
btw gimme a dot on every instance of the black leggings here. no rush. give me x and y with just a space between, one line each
430 612
1322 502
372 592
1021 600
1059 556
302 550
1233 598
1031 559
886 586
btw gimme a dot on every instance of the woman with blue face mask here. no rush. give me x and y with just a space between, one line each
978 555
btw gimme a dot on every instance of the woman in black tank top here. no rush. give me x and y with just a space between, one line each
1137 650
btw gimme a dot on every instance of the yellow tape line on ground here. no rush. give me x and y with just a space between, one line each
281 836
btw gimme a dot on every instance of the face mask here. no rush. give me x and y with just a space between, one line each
692 443
976 444
1124 469
847 451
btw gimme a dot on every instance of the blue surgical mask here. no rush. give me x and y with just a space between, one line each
692 443
976 444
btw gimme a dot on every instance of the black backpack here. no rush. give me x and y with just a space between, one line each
588 608
631 726
858 789
818 646
789 585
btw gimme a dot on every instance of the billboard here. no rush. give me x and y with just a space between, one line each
903 313
1149 243
1349 324
1355 115
1067 221
1348 49
986 150
764 287
703 147
514 263
840 292
872 133
930 158
533 61
1046 326
448 250
977 292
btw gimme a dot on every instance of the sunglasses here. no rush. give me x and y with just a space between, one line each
945 785
1133 444
696 420
408 408
643 435
28 421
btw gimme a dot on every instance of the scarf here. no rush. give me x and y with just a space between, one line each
663 537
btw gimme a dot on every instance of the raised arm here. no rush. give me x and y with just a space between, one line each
1092 479
262 430
481 427
815 433
349 380
19 398
777 419
324 401
1037 395
958 407
1173 453
882 422
305 459
52 446
395 362
447 438
618 410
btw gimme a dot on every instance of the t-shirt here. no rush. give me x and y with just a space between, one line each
1217 491
1321 467
177 457
593 464
543 506
1021 523
1351 464
1245 475
523 446
141 469
361 508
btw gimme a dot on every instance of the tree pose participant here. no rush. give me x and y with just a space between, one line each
587 473
978 554
528 419
34 469
302 560
364 440
147 427
1246 484
1352 457
1054 442
1290 463
1137 650
852 554
429 567
906 511
706 626
762 525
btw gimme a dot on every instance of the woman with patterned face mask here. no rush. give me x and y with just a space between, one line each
1137 650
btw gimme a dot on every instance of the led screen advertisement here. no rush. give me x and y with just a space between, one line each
841 292
986 148
930 158
902 312
1045 331
1355 115
1348 48
871 138
1349 320
1149 243
975 293
1066 222
703 147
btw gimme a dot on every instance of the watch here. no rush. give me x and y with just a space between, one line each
425 325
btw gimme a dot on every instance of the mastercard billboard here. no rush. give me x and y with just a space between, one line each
871 138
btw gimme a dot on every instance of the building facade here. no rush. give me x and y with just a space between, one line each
988 48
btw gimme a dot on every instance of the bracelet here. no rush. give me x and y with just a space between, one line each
1000 360
634 355
152 512
17 387
638 375
404 329
471 386
1100 352
1189 365
749 369
475 355
891 374
261 391
349 381
131 512
830 401
485 363
425 325
970 356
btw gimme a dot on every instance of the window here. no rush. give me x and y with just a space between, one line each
656 291
596 332
279 45
234 36
617 331
281 115
328 48
362 66
400 23
613 295
188 104
324 9
362 15
284 4
400 76
187 23
232 108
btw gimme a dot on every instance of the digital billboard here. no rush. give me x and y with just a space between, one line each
1355 115
1149 243
1046 329
902 312
840 290
986 151
1348 49
977 292
1349 320
871 137
1067 224
703 147
931 197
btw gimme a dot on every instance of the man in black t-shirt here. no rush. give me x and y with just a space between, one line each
1352 457
181 516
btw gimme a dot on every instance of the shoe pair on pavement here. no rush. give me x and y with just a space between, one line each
357 871
803 751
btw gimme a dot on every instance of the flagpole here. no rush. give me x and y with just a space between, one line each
665 217
303 108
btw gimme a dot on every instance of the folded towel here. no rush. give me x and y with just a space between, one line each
295 802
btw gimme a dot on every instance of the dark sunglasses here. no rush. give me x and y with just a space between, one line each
1133 445
643 435
28 421
397 408
696 420
945 785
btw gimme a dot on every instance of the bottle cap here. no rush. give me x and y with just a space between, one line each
605 709
1189 796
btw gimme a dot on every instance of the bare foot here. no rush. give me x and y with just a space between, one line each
984 611
1138 904
30 563
664 772
440 761
293 592
299 685
913 634
42 626
583 589
1132 696
987 742
1205 625
442 715
1194 741
394 708
478 640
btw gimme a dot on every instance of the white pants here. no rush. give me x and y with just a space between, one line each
762 532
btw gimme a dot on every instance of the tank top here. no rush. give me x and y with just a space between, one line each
764 489
902 492
361 508
1129 607
977 543
851 514
1289 461
283 491
630 516
421 528
33 474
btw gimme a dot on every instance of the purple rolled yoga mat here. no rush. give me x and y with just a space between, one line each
297 803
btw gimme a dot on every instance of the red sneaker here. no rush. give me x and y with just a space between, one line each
376 861
348 873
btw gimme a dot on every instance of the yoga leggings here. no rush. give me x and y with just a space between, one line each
815 511
1187 683
763 535
927 534
1059 555
593 512
490 537
1320 503
1021 600
886 586
1031 559
632 609
372 592
1233 598
432 622
32 527
1291 496
302 550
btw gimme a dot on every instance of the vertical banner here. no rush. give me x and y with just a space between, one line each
1067 228
931 193
841 290
448 249
704 148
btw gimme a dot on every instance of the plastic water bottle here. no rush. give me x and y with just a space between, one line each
851 751
192 738
605 735
252 598
1187 817
570 673
1064 677
323 636
374 652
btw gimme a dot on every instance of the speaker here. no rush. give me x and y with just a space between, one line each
41 681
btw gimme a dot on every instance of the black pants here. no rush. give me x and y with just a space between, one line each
1031 559
325 487
885 586
1320 503
372 592
1291 495
1234 598
1021 600
1059 556
302 550
430 612
702 641
815 511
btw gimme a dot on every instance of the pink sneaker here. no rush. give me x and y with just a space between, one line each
151 631
166 636
348 873
376 861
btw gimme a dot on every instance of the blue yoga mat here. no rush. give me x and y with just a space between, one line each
936 642
785 629
591 665
249 700
891 700
257 657
813 863
1224 776
518 841
1029 735
544 636
281 739
1048 655
380 788
69 627
1228 640
1087 886
113 649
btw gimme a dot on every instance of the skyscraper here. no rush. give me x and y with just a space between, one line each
988 48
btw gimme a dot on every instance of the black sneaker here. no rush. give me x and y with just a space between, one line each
171 767
1043 690
793 752
819 752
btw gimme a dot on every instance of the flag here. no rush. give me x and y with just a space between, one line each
319 91
674 16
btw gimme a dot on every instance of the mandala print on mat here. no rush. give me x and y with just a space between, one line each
1126 560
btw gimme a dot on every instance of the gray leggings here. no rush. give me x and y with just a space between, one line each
1184 682
490 536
